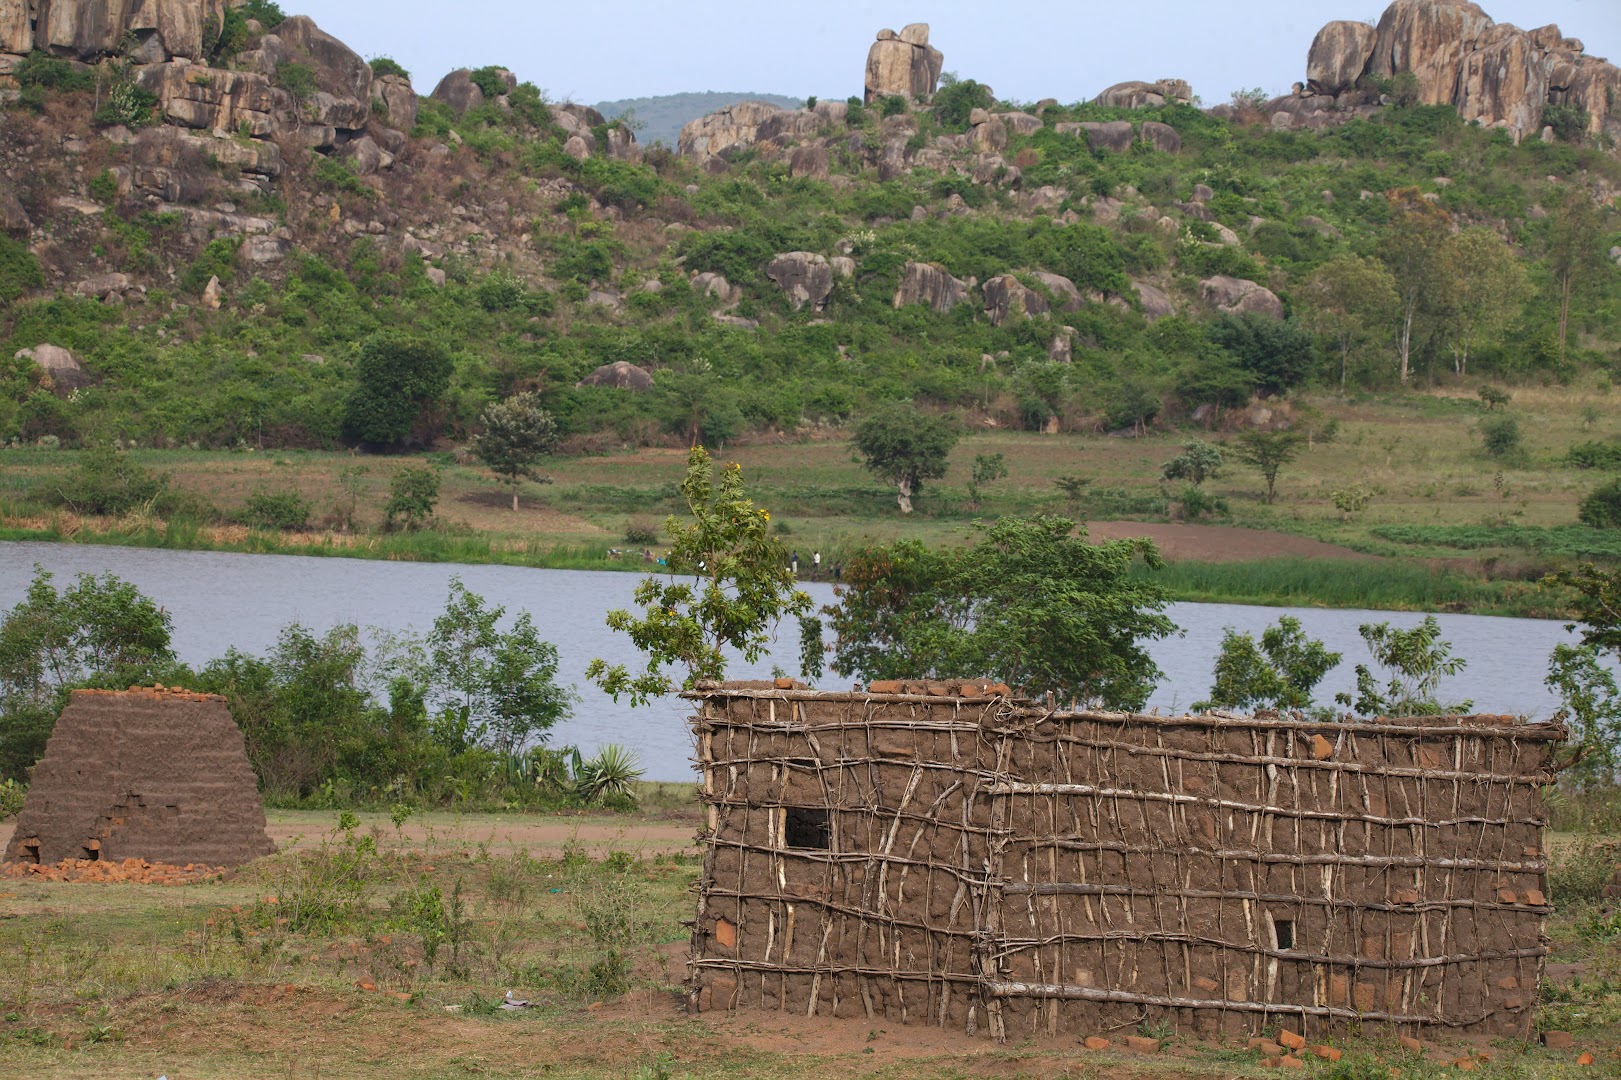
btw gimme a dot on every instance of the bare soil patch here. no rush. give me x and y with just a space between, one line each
1220 543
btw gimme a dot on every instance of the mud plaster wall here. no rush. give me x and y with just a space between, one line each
156 775
990 865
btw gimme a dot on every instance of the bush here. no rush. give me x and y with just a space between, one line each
387 65
956 101
47 72
266 509
1501 436
412 495
1602 507
893 105
105 481
492 80
1594 455
19 269
644 533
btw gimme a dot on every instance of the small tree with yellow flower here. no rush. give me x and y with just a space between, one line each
727 585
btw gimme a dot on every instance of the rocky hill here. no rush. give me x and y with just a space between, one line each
660 119
208 206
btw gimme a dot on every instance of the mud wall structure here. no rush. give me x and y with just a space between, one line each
945 857
151 774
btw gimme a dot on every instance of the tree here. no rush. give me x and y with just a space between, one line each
517 434
1413 249
398 380
988 468
1349 300
1032 604
741 588
905 447
1573 251
1488 290
1268 452
98 632
1592 705
1199 461
1602 507
499 685
1416 660
412 494
1595 597
107 481
1280 673
1278 355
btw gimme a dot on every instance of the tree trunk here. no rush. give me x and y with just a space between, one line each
1405 349
1564 311
514 496
905 499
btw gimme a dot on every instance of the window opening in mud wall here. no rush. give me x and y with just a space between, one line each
30 851
1283 934
806 828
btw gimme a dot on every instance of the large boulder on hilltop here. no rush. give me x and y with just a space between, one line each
811 161
1339 55
460 92
806 278
903 65
398 100
16 27
1162 137
1114 135
1429 38
734 126
1139 95
85 29
1504 82
1006 297
1594 86
621 375
165 29
339 71
925 283
1239 296
211 99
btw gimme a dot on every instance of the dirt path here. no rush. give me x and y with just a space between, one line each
542 837
1217 543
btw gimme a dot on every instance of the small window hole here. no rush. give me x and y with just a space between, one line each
1284 930
30 851
806 828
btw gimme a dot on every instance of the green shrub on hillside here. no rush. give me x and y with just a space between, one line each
1602 507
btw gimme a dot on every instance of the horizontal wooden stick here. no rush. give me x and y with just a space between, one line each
1305 900
1008 946
1536 866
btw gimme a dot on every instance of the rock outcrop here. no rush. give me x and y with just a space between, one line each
60 366
1006 297
1139 95
903 65
620 375
1238 296
1494 74
925 283
1339 55
734 127
806 278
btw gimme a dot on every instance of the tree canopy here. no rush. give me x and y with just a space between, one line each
517 434
398 379
1032 604
906 447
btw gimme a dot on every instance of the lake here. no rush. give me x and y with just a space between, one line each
221 600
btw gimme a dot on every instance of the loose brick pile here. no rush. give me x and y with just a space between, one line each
127 872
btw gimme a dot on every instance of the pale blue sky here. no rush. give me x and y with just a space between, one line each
590 52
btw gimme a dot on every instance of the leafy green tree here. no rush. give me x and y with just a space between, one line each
1573 256
905 447
1595 597
413 492
1279 673
1032 604
957 99
98 632
1279 355
499 685
1413 248
1489 290
399 380
517 434
1416 661
1592 706
988 468
742 587
1501 436
1350 300
1268 452
1199 461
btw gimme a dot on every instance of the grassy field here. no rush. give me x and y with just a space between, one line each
1454 528
385 951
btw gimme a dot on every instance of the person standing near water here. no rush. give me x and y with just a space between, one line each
793 564
816 565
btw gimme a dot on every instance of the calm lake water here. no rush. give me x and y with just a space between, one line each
221 601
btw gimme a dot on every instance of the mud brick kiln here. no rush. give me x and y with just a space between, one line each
943 856
151 774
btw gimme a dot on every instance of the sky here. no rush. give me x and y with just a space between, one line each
1069 50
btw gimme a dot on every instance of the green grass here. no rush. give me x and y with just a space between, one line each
1578 541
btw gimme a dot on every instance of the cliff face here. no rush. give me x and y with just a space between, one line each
1493 73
